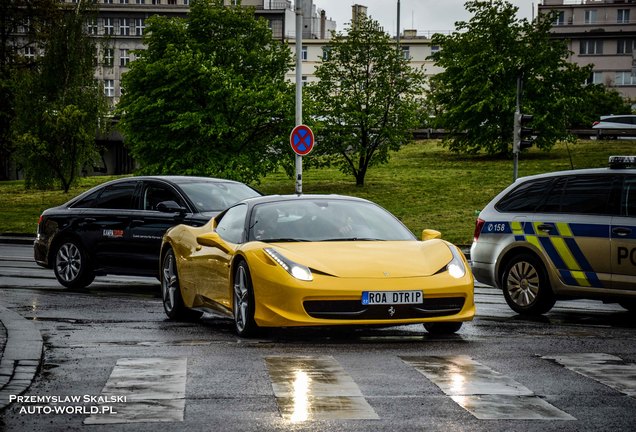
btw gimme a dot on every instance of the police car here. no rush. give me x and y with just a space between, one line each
561 235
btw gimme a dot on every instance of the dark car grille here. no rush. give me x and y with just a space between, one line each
355 310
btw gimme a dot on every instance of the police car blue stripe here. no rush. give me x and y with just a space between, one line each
520 238
528 228
568 278
552 252
594 280
590 230
578 255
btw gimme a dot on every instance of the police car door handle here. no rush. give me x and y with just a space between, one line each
621 231
546 227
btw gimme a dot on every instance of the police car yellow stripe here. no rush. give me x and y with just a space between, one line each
564 229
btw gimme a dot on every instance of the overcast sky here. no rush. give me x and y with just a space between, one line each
422 15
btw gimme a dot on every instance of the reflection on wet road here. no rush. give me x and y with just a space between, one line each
315 388
610 370
485 393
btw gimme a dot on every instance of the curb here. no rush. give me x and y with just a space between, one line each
10 238
21 357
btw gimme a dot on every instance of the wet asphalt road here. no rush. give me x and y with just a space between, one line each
112 347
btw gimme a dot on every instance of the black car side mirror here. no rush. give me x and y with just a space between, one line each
171 207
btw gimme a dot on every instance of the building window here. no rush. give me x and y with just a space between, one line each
406 52
624 46
590 16
172 2
91 26
595 78
124 27
186 2
303 80
156 2
434 48
622 16
109 56
591 46
124 57
140 1
326 53
123 1
109 88
560 18
303 53
108 1
624 78
109 27
29 52
140 26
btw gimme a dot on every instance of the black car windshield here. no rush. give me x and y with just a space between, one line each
324 220
215 197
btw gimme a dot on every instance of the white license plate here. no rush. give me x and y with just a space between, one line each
391 297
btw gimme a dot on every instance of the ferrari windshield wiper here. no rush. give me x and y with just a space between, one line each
283 239
351 239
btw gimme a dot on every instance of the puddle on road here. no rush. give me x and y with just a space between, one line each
316 388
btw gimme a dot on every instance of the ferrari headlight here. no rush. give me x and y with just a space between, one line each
298 271
456 267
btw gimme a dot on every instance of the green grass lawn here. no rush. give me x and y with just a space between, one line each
423 184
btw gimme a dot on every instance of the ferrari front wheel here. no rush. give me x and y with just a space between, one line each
243 301
171 291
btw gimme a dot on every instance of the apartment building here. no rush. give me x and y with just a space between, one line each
601 33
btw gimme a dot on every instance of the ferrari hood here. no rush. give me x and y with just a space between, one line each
370 259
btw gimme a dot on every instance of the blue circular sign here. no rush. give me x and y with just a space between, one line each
302 140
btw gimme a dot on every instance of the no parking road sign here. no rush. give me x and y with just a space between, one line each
302 140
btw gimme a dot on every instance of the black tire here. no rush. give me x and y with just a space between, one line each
72 265
243 301
171 291
442 328
526 287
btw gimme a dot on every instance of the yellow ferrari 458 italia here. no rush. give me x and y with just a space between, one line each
314 260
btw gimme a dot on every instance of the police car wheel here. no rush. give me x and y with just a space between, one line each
526 287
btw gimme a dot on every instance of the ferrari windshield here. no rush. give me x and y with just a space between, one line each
324 220
216 196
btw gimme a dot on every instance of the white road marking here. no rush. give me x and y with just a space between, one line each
154 390
316 388
485 393
604 368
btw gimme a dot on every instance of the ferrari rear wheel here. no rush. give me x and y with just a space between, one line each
442 328
243 301
171 291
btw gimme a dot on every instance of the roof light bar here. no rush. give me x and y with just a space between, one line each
622 161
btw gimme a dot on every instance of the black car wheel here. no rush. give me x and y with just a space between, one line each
72 267
442 328
243 303
171 291
526 287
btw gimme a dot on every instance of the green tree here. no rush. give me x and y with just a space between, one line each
23 26
366 101
59 104
597 100
475 96
209 95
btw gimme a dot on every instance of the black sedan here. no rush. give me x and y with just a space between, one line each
117 227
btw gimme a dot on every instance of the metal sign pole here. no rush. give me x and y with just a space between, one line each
299 90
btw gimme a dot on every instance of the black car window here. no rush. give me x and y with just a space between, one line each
232 224
88 201
154 193
589 194
526 197
117 196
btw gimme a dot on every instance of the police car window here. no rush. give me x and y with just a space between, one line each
628 201
526 197
232 225
587 195
117 196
